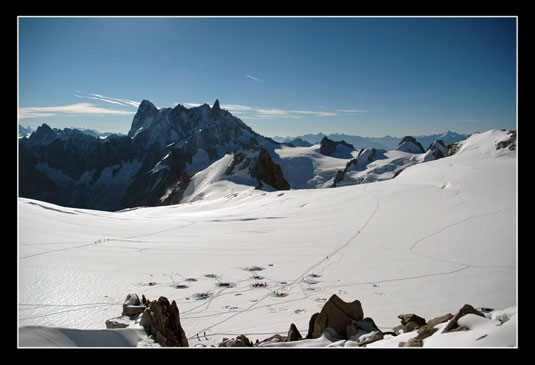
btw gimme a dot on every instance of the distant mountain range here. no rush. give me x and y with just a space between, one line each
174 155
387 142
25 132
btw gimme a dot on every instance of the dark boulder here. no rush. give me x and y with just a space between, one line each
466 309
335 314
240 341
162 321
132 306
293 334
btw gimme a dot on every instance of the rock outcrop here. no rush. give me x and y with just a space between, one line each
436 150
293 334
409 322
509 143
240 341
364 157
337 318
335 314
328 147
132 306
162 321
265 170
466 309
410 144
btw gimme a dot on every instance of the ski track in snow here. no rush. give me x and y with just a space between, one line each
301 276
455 224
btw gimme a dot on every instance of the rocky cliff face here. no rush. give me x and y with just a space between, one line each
410 144
265 170
75 169
436 150
329 147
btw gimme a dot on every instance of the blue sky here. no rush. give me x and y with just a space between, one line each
283 76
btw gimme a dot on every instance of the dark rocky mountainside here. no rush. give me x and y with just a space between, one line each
329 147
163 148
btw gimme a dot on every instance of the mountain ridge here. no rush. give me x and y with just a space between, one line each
387 142
166 147
75 169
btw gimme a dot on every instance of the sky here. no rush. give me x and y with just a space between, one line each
283 76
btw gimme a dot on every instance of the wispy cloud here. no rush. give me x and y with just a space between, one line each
188 105
108 99
253 78
272 112
318 114
79 108
351 111
254 112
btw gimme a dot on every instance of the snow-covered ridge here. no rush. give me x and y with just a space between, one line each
166 147
386 143
438 236
165 144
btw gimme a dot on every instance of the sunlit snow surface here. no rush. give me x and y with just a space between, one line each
440 235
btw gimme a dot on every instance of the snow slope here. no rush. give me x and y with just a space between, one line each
439 235
211 182
308 168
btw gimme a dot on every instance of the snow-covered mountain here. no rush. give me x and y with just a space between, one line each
162 150
25 132
440 235
166 148
387 142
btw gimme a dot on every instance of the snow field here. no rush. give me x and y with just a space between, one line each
439 235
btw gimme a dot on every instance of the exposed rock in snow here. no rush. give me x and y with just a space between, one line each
329 147
509 143
162 321
132 306
466 309
265 170
435 151
293 334
240 341
25 132
410 144
337 315
409 322
118 322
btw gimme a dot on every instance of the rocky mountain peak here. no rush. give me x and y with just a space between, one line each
410 144
328 146
43 135
145 115
215 112
147 106
436 150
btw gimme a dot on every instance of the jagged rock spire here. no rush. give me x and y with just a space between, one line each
215 112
